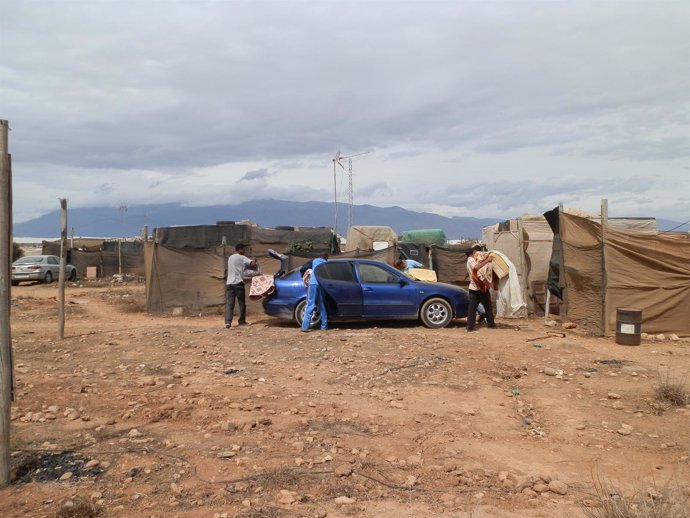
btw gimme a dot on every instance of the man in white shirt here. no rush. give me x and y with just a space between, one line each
478 289
237 262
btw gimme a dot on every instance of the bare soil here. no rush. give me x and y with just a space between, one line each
178 416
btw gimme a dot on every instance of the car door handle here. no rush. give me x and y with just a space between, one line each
367 289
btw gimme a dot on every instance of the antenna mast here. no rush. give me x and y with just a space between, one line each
350 190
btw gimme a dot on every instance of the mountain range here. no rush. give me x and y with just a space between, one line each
128 221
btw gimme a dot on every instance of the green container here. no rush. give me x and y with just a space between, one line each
428 237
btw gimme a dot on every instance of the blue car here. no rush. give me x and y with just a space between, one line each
362 289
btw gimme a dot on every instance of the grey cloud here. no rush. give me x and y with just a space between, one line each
256 175
92 85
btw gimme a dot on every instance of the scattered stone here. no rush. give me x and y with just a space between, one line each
613 395
624 431
661 337
633 369
176 488
344 500
674 337
550 371
569 325
228 426
286 497
92 464
73 415
135 433
96 495
343 470
410 481
558 487
226 454
580 427
540 487
591 503
66 475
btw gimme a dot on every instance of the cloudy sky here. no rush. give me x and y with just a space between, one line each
468 108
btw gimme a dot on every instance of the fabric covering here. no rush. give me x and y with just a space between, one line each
262 286
429 237
186 266
422 274
618 268
361 237
509 301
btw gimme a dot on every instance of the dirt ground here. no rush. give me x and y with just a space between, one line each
158 416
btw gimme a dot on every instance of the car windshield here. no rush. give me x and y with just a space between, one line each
30 260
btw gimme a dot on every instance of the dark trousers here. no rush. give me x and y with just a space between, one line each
235 291
477 297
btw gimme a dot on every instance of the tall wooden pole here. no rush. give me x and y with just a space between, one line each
561 266
604 277
61 277
5 272
523 265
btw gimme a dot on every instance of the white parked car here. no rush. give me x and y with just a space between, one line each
42 268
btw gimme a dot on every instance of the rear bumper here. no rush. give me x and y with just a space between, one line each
278 309
33 276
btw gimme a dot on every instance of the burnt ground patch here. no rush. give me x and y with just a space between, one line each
43 466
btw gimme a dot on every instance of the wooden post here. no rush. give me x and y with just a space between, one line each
119 256
604 277
548 304
61 276
5 273
523 266
561 266
145 233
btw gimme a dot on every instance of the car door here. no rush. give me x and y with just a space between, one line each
343 292
386 293
53 265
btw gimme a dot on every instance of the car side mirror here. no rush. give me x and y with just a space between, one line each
403 282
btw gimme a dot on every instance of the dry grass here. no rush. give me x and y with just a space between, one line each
77 508
609 502
672 390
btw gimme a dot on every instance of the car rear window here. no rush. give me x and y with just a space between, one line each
337 272
32 259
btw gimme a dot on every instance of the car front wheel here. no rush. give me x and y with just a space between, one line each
48 278
436 313
299 314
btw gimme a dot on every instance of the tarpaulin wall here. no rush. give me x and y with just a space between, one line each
184 278
109 256
641 270
450 264
185 267
584 274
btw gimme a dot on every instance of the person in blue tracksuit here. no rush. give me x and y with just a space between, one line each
315 297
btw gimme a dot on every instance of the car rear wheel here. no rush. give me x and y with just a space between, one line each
48 278
299 314
73 275
15 283
436 313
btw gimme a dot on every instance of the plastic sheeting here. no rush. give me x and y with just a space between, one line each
429 237
625 269
361 237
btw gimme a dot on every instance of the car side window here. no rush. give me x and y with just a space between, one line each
52 260
337 272
371 273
